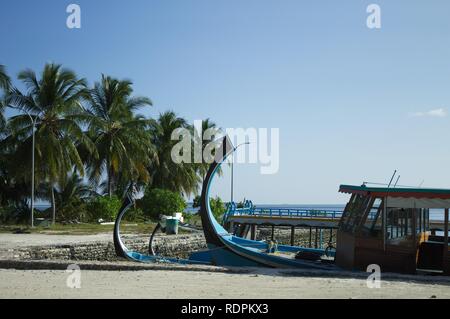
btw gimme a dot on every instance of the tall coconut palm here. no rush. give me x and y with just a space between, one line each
5 83
166 174
121 138
4 78
212 131
69 196
53 101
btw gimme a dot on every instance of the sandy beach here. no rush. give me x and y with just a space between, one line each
9 241
193 284
119 279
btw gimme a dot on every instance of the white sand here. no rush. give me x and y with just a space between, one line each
189 284
8 241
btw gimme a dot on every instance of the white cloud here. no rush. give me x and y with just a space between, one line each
433 113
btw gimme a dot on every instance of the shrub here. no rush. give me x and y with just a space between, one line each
134 215
196 202
103 207
217 207
160 201
15 214
193 219
6 214
76 209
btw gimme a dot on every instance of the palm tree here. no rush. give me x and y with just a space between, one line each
213 131
4 78
53 101
69 196
121 138
5 84
166 174
12 190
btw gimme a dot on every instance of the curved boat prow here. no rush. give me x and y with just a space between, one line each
225 249
123 251
120 248
219 253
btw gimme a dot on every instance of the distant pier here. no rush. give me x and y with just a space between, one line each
244 221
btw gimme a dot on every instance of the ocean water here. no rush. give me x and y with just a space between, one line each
190 210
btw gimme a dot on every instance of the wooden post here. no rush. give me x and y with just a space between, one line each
273 233
315 239
396 223
420 221
292 235
446 236
231 229
310 237
402 224
414 227
406 223
253 232
383 222
321 238
446 227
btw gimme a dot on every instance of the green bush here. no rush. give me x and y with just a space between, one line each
76 209
103 207
193 219
160 201
134 215
5 214
196 202
11 214
217 207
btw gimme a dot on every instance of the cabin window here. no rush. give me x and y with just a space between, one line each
354 212
373 224
423 221
426 221
400 222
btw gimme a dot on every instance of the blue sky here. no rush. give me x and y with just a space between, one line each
351 103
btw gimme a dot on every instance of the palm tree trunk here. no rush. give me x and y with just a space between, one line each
108 176
53 206
109 181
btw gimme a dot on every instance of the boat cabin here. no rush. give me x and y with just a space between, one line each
391 227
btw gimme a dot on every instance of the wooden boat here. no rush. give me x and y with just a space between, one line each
230 250
225 249
390 227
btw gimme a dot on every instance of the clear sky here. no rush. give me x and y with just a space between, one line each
352 104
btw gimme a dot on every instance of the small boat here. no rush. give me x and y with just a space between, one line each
226 249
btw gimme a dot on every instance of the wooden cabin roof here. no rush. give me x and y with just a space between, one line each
416 193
